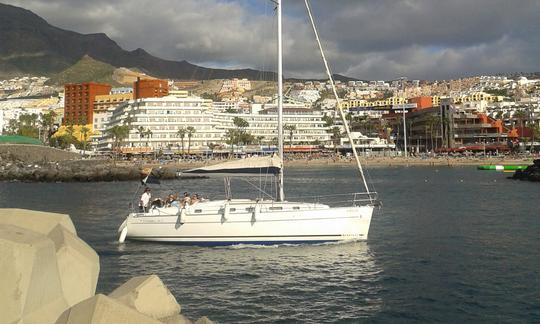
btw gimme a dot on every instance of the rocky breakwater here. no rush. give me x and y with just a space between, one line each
531 173
76 171
49 275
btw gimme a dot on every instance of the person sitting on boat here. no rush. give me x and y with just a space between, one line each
169 201
186 200
145 200
194 199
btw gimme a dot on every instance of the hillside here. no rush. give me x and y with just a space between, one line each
85 70
30 45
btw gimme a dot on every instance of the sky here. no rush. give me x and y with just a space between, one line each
365 39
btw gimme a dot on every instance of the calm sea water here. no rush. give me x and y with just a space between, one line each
450 245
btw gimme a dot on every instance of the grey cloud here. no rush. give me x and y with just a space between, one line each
368 39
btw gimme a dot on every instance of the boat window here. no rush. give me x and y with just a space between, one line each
198 210
232 209
250 209
276 208
296 208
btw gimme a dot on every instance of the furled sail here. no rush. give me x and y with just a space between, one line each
251 165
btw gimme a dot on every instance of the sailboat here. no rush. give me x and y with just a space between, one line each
266 220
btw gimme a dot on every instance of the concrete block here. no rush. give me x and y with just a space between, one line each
148 295
78 265
101 309
176 319
31 291
37 221
204 320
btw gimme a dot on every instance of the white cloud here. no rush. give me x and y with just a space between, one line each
368 39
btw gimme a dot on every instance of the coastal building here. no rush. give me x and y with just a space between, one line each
79 101
155 123
451 126
235 85
105 102
309 126
150 88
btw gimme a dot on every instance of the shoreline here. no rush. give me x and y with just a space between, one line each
369 162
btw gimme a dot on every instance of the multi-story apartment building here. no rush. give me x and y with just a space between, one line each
79 101
236 85
309 126
105 102
161 119
150 88
155 123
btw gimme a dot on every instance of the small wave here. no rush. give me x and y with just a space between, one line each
248 246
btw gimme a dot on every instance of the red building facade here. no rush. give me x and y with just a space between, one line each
150 88
79 102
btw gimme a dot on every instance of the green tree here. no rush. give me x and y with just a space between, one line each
84 136
328 121
433 123
148 134
240 123
47 122
231 138
118 134
181 133
291 129
190 131
336 136
28 125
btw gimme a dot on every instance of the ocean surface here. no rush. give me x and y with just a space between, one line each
450 245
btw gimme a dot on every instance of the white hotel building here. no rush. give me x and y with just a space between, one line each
165 116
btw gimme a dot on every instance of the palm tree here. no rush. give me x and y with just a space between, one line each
231 138
520 115
432 121
240 123
118 133
84 132
181 133
148 134
47 121
291 128
190 131
336 136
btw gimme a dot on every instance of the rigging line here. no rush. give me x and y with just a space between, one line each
329 73
255 186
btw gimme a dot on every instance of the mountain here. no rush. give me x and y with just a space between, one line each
30 45
85 70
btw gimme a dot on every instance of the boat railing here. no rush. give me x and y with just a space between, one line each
351 199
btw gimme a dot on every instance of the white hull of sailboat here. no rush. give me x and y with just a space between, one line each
248 222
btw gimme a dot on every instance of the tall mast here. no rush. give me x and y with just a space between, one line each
345 124
281 195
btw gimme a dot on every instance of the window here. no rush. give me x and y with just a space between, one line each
276 208
232 210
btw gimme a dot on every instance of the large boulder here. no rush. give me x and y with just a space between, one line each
176 319
78 265
101 309
30 286
204 320
37 221
148 295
